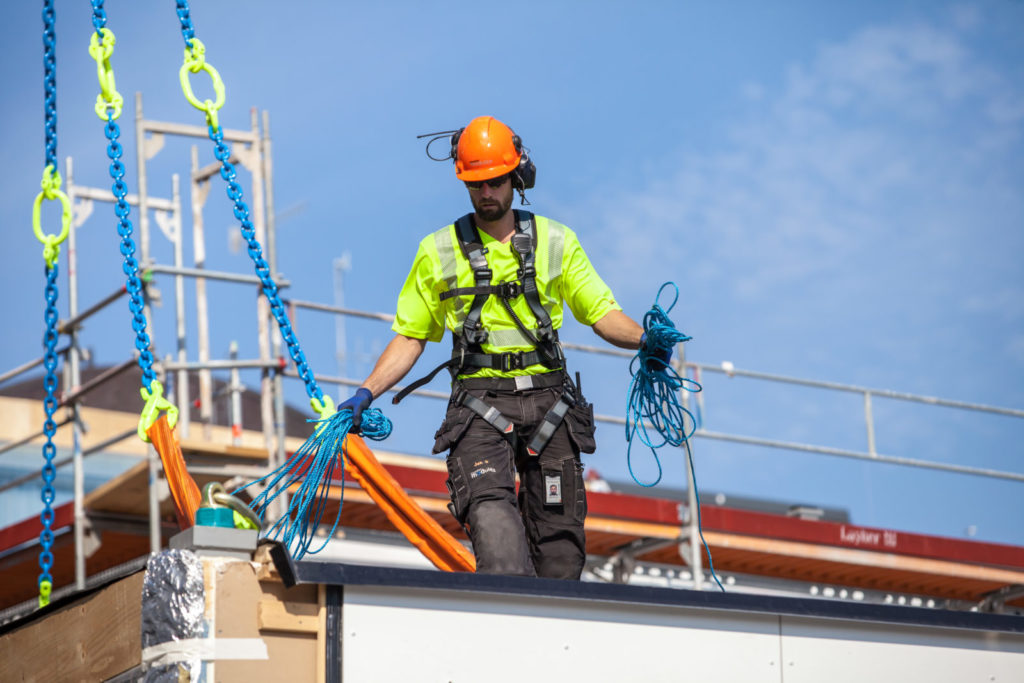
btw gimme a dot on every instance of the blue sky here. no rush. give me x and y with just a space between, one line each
834 187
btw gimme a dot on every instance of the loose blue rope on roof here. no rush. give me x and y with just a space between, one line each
314 464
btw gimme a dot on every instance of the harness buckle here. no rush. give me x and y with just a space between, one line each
473 332
509 290
512 361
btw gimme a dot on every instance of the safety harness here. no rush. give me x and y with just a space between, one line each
467 350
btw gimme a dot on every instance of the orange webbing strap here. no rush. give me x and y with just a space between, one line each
422 530
184 491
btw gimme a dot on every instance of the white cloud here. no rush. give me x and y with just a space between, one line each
877 153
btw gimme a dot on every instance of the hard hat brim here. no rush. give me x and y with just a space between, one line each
487 173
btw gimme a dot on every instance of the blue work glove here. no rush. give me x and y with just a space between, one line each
357 404
657 359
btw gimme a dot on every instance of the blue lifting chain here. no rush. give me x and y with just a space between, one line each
317 459
49 472
130 266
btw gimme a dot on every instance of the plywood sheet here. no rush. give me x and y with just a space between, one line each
92 639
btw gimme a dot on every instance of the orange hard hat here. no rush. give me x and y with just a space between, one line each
485 149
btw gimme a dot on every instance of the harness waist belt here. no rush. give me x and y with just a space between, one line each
521 383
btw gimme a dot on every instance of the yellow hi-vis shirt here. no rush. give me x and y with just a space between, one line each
564 273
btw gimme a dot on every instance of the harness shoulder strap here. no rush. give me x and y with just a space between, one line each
472 247
525 243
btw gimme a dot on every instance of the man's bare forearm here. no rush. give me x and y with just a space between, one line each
619 329
396 361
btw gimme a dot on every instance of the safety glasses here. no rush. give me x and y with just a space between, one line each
491 182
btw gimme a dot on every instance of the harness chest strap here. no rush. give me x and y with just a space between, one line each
523 242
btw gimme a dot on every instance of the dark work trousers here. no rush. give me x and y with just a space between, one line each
540 531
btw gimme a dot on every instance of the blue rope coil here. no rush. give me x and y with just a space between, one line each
654 412
49 427
314 463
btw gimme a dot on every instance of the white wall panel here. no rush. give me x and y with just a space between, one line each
815 650
406 635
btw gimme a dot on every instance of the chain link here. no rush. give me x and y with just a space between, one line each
99 16
50 82
131 265
234 191
188 32
49 426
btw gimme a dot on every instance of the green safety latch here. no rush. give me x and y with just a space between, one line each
155 402
324 408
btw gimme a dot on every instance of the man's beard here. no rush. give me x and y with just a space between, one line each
492 211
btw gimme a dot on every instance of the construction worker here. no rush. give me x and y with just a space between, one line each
498 278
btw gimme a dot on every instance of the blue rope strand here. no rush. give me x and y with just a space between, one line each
314 464
700 526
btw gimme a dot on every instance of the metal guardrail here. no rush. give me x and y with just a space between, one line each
726 368
280 366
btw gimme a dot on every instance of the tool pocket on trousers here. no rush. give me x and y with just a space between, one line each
456 422
581 426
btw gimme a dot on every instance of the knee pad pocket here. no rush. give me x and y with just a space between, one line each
472 479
